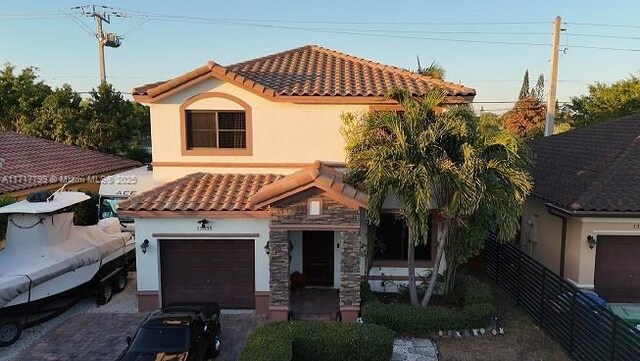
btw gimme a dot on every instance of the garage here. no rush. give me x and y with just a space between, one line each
617 270
208 270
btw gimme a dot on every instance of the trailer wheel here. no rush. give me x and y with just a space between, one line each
105 291
120 281
10 332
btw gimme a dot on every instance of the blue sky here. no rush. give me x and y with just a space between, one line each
65 52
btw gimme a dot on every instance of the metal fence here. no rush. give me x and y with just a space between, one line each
585 329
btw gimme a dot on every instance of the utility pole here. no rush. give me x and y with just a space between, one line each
100 37
104 39
553 79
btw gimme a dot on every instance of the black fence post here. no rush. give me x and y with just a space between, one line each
519 280
542 296
613 338
497 277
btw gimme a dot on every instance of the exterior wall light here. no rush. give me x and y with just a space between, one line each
266 248
591 241
144 246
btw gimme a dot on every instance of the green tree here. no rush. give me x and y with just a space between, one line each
603 103
524 88
538 91
490 123
114 125
441 163
21 94
61 117
434 70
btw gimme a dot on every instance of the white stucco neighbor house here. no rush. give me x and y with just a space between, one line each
251 159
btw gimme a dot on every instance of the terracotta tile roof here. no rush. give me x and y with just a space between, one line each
315 71
27 162
318 175
202 192
593 169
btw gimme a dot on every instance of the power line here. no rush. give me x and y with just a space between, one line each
602 25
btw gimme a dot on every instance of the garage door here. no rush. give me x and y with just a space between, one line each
617 273
204 271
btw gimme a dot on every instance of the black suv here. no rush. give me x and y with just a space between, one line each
177 332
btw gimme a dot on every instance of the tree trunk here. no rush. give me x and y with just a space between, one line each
411 266
443 229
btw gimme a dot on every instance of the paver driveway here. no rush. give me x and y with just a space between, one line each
101 337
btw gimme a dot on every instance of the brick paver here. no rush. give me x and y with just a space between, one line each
101 337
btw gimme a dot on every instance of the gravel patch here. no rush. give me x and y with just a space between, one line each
123 302
414 349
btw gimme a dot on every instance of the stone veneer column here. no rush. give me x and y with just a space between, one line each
279 275
350 275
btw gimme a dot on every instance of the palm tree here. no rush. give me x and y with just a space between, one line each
434 70
429 161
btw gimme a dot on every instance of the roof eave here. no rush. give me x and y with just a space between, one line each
601 214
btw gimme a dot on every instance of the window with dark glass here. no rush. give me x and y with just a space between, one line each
393 237
211 129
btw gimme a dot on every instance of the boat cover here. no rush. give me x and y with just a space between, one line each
41 247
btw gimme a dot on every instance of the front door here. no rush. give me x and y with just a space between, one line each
317 257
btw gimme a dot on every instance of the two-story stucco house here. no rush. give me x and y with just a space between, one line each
252 161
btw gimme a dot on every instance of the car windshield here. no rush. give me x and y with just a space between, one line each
164 339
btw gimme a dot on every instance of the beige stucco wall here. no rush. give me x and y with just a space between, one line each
282 132
541 234
600 227
579 258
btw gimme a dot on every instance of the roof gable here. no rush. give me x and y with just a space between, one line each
593 169
311 71
318 176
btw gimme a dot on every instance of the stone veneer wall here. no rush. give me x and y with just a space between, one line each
293 211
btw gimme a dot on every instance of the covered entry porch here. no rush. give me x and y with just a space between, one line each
315 230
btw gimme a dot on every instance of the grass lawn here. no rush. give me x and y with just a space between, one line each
522 341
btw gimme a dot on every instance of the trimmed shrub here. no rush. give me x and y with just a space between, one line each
271 342
366 295
476 312
312 341
475 291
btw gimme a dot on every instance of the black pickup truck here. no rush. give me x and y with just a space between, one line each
178 333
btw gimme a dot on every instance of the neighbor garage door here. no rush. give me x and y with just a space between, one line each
617 273
204 271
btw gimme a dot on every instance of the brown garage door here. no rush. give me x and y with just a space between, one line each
204 271
617 273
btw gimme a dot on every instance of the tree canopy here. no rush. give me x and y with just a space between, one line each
104 121
434 70
438 162
604 102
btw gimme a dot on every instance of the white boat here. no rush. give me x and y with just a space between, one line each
49 263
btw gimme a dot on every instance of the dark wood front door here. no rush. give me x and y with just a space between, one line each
317 257
205 271
617 273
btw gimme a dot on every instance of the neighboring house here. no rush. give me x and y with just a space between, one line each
253 158
583 218
29 164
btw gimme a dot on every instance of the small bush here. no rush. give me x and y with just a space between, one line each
271 342
86 213
312 341
474 291
366 295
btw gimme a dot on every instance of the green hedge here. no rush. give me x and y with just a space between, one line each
366 295
313 341
474 291
476 312
271 342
